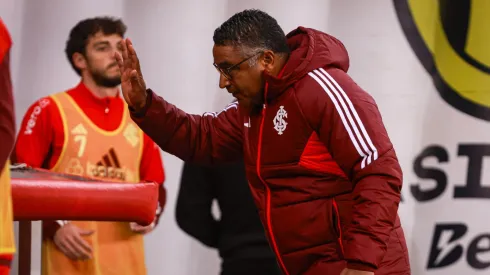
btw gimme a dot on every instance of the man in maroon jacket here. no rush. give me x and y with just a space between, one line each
321 167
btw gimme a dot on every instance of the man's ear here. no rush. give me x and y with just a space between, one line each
268 59
79 61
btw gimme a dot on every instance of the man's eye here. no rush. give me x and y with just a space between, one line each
234 69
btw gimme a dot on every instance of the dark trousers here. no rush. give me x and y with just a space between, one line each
250 267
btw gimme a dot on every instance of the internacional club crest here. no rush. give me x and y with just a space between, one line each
279 122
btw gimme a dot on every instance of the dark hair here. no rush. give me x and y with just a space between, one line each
252 29
79 35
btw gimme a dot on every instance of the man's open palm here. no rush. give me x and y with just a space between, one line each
132 83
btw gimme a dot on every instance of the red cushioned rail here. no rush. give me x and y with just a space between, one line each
44 199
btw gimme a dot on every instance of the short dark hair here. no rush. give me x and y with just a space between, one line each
253 29
79 35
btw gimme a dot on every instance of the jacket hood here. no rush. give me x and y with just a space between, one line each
310 49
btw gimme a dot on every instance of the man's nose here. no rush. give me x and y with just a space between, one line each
114 50
223 81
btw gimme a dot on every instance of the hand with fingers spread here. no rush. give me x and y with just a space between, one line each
69 239
132 83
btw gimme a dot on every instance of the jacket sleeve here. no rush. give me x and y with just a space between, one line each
348 121
210 138
195 198
7 118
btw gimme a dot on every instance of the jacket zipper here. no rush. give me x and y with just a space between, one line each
268 192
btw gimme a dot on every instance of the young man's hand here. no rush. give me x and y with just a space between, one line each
69 239
141 229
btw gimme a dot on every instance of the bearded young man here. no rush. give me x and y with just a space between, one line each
321 167
87 131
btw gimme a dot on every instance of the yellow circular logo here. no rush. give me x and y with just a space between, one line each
450 38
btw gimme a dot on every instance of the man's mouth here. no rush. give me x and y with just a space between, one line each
237 95
111 66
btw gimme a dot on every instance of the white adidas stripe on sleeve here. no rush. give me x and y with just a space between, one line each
230 106
360 138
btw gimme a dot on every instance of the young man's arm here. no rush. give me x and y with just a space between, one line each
348 121
36 134
34 143
193 210
152 170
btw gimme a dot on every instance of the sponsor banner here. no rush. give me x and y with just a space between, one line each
446 196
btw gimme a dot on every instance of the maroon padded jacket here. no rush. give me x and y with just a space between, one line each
321 167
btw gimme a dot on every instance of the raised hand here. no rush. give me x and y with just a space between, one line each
132 83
